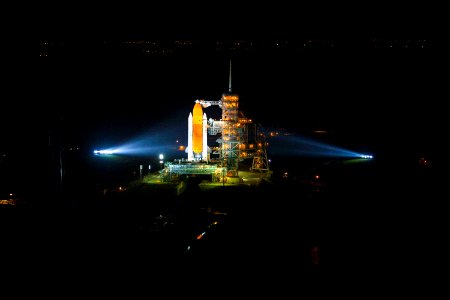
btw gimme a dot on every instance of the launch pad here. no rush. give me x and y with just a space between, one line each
211 172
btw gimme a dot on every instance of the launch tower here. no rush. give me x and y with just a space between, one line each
231 135
240 137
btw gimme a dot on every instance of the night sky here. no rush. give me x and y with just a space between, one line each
349 88
95 93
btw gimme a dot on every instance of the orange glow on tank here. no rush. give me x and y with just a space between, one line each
197 128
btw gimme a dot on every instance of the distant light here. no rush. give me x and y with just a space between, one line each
104 152
200 235
317 176
10 194
366 156
161 156
161 161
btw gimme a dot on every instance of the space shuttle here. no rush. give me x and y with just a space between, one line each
197 148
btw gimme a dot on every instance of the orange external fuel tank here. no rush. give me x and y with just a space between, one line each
197 128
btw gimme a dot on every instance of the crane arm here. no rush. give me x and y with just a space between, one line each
205 103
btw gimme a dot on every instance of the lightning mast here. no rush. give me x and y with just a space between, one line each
229 80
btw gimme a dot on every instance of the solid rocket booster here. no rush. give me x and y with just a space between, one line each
189 147
205 138
197 129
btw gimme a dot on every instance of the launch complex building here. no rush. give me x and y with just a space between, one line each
239 139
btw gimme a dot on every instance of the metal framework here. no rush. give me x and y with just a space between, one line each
235 142
173 170
260 161
231 136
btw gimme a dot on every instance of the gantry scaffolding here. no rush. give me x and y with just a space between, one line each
231 135
253 144
240 137
260 161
